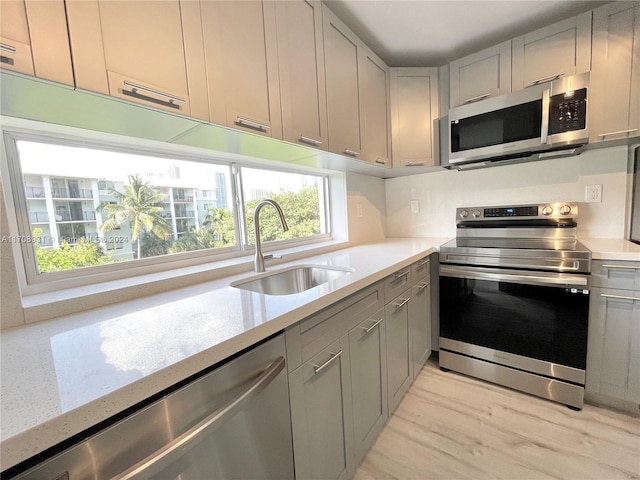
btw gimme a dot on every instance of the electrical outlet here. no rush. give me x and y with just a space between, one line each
593 193
359 212
415 206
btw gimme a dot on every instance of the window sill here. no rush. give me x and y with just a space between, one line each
45 306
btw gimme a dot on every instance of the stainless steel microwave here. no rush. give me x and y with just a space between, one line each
542 121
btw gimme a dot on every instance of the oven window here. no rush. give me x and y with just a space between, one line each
542 322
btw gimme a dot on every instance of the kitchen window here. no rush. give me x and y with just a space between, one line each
84 209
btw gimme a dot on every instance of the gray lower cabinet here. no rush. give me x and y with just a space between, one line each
321 415
613 349
398 348
420 325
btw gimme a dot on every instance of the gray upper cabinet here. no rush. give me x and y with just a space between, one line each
373 78
414 109
557 50
341 66
134 51
301 68
615 72
480 75
241 57
34 39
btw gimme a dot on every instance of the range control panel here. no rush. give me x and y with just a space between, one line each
561 210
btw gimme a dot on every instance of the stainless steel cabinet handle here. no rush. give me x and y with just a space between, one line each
399 275
368 329
424 262
135 87
319 368
352 153
422 285
546 79
7 48
622 267
380 161
620 297
402 303
619 132
544 130
310 141
414 164
253 124
479 97
158 461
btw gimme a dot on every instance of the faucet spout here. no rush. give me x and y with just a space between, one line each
258 261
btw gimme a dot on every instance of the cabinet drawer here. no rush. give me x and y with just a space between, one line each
309 337
616 274
421 270
396 283
16 56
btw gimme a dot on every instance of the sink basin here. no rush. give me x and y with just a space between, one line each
291 280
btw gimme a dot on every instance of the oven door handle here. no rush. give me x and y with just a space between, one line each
515 276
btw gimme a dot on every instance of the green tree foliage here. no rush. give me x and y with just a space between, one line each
83 254
300 210
217 231
140 205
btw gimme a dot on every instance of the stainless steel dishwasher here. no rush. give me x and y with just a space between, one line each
233 422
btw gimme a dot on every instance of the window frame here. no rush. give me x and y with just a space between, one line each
34 282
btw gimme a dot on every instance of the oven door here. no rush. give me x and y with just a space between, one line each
532 321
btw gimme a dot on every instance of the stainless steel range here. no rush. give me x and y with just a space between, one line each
514 299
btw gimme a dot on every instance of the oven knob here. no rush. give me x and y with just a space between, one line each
565 210
547 211
464 213
476 213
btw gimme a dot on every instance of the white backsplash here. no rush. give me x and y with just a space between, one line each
440 193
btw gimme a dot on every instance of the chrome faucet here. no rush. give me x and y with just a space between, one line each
258 261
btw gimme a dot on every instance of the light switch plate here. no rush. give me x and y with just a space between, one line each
415 206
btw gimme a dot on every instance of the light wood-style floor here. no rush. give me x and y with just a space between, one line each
449 426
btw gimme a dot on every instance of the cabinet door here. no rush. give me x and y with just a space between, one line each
367 350
481 75
320 415
35 39
414 108
373 78
558 50
615 72
132 50
613 350
301 69
341 67
398 349
242 68
420 325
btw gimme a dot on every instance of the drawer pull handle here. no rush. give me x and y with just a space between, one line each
253 124
368 329
546 79
380 161
310 141
620 297
399 275
319 368
478 98
424 262
622 267
135 93
402 303
8 48
351 153
423 285
415 164
619 132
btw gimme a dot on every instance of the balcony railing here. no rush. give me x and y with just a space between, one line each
35 192
183 199
64 193
38 217
75 217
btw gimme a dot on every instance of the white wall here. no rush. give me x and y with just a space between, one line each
564 179
365 208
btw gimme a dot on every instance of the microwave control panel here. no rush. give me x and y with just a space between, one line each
568 111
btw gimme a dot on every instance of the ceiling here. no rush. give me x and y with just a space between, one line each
431 33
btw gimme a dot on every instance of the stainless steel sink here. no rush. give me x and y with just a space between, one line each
291 280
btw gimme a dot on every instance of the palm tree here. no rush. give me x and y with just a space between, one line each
140 205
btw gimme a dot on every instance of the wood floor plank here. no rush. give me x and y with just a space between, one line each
449 426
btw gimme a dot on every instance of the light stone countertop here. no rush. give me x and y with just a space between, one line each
612 249
62 376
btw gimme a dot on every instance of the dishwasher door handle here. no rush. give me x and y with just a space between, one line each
160 459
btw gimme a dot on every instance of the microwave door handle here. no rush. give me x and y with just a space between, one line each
544 130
